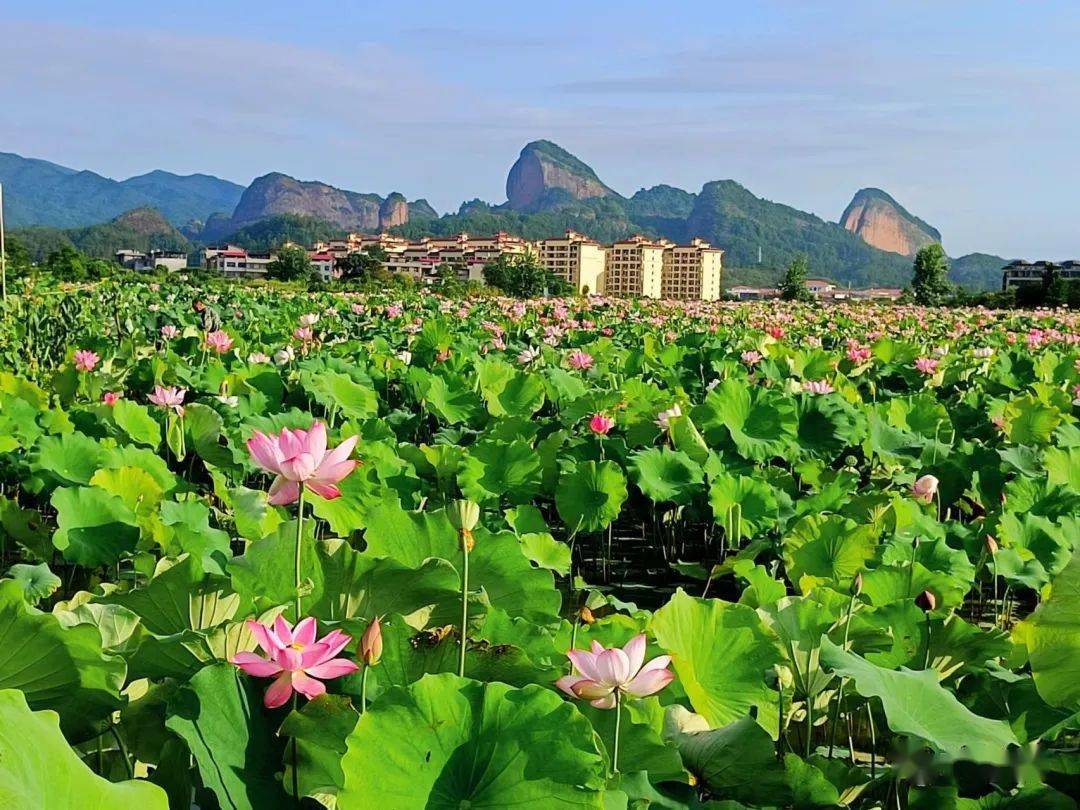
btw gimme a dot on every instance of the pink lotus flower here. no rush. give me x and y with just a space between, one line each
111 397
219 341
751 358
296 660
663 419
300 457
171 397
858 354
85 360
926 365
925 488
582 361
305 334
600 674
601 424
168 331
817 387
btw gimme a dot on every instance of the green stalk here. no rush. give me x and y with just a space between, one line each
363 688
464 603
615 744
840 691
296 553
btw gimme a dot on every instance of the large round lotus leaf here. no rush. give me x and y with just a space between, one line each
590 496
95 527
743 505
665 475
39 771
915 703
827 549
720 652
1052 636
760 423
445 743
500 471
56 667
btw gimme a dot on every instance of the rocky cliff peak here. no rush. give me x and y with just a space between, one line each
543 167
882 222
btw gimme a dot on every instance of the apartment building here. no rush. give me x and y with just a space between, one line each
140 260
1020 272
635 267
466 254
576 259
691 272
235 262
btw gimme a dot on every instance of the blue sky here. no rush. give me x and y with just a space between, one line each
967 111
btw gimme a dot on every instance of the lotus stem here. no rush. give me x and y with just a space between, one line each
296 551
363 688
615 743
464 605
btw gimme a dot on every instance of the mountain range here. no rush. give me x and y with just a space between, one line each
548 190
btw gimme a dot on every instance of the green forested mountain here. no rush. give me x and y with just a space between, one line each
141 229
38 192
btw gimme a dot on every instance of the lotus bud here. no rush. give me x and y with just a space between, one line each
856 584
991 545
925 488
926 601
464 515
585 616
371 643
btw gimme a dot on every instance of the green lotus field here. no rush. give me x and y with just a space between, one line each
264 548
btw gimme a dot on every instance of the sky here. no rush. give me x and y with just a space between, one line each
966 111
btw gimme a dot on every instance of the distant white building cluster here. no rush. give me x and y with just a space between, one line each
822 289
637 266
1020 273
151 260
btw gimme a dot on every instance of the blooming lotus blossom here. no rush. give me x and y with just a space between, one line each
663 419
309 319
602 674
171 397
258 357
529 355
601 424
983 352
582 361
85 360
219 341
858 354
926 365
168 332
305 334
925 488
111 397
817 387
751 358
284 356
300 457
295 660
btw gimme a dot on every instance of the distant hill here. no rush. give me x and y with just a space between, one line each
41 193
277 194
548 190
546 176
139 229
881 221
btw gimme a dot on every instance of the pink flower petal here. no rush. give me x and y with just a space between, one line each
264 637
299 467
584 662
255 665
264 451
283 492
332 473
279 692
333 668
290 442
328 491
649 682
613 666
635 652
607 702
567 682
304 632
316 442
283 630
340 453
308 687
591 690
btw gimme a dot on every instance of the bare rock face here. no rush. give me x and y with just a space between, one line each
393 211
544 167
274 194
882 222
